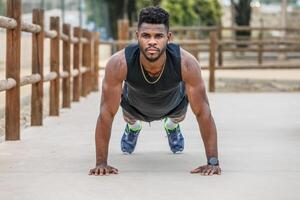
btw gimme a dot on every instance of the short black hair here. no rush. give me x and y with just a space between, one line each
154 15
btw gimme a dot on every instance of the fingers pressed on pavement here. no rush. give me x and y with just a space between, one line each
114 171
91 172
106 171
197 170
219 171
98 171
101 171
206 170
213 170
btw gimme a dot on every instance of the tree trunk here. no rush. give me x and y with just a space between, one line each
242 11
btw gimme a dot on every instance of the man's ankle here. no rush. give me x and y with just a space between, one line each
169 124
137 126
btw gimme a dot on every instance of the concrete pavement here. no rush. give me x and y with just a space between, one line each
259 150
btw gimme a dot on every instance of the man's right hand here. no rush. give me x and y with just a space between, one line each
103 169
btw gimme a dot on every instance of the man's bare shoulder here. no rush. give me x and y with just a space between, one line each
117 65
189 63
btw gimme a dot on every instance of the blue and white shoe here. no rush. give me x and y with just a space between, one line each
129 139
176 139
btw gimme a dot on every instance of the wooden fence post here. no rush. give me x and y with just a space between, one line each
192 36
91 61
86 62
66 83
260 46
54 67
13 53
96 62
220 48
84 58
212 60
123 31
37 68
76 65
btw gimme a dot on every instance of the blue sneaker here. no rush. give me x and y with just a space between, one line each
176 140
129 139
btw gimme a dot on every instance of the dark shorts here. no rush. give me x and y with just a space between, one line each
132 113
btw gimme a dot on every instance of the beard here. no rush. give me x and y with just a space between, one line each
153 57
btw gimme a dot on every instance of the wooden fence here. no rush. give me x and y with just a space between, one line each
215 44
197 39
82 77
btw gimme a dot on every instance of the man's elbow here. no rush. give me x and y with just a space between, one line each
203 114
105 116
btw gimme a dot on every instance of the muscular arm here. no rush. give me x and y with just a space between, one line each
115 73
195 89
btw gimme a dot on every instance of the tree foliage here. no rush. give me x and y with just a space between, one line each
144 3
182 12
193 12
242 12
107 12
94 11
2 8
277 1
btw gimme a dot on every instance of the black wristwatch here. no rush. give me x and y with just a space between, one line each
213 161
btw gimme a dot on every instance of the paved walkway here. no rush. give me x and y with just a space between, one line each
259 145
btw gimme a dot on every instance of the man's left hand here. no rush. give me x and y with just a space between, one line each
207 170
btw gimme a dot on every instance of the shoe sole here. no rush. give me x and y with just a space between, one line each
174 152
127 153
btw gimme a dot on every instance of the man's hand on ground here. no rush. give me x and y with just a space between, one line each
207 170
103 169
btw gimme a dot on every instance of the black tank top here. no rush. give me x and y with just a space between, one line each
153 101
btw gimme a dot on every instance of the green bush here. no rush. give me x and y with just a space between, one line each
193 12
188 12
2 8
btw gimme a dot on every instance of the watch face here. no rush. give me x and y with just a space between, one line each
213 161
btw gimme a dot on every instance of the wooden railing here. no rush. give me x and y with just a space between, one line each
83 75
196 39
213 48
215 44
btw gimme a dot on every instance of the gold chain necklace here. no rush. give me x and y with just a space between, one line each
158 76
